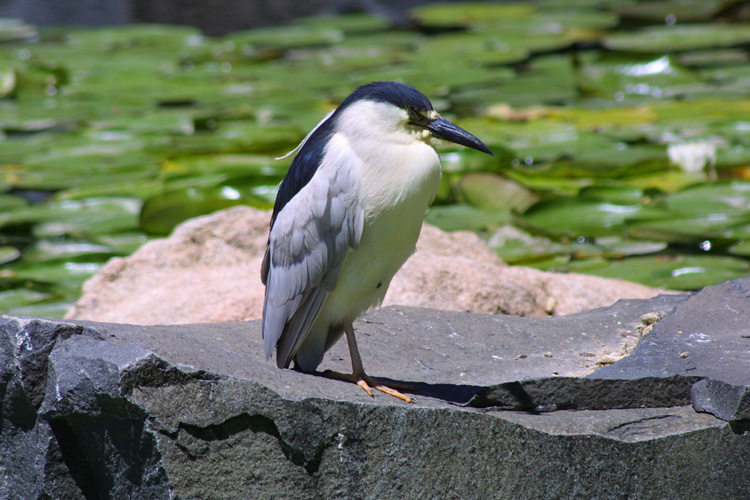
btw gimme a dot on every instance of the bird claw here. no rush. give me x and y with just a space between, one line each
366 383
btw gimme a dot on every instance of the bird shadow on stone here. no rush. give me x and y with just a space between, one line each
451 393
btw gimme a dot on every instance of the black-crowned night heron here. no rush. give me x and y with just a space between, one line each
347 216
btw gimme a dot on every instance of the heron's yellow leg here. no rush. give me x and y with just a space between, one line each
359 376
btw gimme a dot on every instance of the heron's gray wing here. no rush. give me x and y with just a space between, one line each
309 242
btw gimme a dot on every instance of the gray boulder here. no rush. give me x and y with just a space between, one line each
642 399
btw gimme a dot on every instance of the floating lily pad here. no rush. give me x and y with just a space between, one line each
287 37
133 37
462 217
682 11
679 37
93 216
728 198
680 272
123 243
516 246
71 272
713 228
464 14
45 250
8 254
162 213
19 297
619 75
708 58
474 47
11 201
494 192
53 310
571 218
616 194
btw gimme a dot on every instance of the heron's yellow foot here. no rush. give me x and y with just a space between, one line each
366 383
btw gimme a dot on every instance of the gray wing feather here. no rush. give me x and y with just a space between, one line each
307 247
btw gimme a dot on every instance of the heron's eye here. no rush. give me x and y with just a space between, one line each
414 115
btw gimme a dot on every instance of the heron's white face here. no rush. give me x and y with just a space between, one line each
382 122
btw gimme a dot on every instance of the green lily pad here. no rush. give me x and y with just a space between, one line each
287 37
691 230
92 216
516 246
532 87
616 194
19 297
123 243
615 247
602 119
134 37
741 249
162 213
470 160
719 57
11 201
491 191
572 218
53 310
619 75
679 38
45 250
681 11
464 14
680 272
472 47
461 217
729 198
8 254
52 272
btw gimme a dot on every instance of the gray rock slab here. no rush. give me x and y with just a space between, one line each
505 407
447 356
707 337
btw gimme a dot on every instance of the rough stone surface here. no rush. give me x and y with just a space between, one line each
505 407
209 271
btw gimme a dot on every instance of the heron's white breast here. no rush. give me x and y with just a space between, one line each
397 181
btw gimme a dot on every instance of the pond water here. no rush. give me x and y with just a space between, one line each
621 132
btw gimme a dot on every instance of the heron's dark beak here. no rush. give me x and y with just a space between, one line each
447 131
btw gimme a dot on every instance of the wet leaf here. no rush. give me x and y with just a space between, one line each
463 14
8 254
728 198
679 37
621 75
54 310
681 272
162 213
571 218
18 297
716 228
287 37
465 218
494 192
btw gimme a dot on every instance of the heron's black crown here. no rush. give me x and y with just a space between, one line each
399 94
